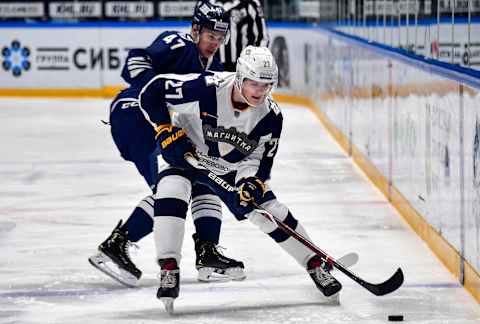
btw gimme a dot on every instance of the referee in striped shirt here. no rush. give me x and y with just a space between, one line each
247 27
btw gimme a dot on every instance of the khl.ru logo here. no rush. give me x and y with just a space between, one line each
16 58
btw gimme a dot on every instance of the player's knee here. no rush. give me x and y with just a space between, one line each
262 222
174 186
172 196
276 208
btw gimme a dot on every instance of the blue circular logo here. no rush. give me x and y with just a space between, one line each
16 58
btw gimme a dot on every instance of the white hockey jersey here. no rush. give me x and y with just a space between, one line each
226 139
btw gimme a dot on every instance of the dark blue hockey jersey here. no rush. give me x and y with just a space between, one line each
170 52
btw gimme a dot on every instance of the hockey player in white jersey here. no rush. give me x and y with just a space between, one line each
231 124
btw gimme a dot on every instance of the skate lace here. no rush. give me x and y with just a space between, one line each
322 276
167 278
210 247
220 249
130 248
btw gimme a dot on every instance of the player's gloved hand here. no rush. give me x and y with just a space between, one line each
238 208
174 144
250 189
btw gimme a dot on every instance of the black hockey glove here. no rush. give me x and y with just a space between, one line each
250 189
174 144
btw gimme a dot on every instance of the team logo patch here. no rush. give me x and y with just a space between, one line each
239 140
266 75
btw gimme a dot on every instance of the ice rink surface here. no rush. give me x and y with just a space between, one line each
64 187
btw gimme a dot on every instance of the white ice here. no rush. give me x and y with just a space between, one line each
63 187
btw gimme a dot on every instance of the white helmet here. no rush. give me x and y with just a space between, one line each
258 64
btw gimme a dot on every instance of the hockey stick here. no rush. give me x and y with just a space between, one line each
386 287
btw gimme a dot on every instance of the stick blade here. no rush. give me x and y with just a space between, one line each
348 260
390 285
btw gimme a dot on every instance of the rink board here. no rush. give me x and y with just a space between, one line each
415 121
413 125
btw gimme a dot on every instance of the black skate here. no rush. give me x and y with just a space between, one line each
320 273
113 258
213 266
169 283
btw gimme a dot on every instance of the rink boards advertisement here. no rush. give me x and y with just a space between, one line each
68 58
457 43
417 127
89 57
418 124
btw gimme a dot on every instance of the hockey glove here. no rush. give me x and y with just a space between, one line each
174 144
250 189
238 208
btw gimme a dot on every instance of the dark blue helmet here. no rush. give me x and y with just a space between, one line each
210 16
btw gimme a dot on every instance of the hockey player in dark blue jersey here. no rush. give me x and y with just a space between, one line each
175 52
231 124
171 52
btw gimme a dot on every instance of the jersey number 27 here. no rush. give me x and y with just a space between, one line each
176 87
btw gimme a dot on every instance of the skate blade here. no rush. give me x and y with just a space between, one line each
331 300
168 303
103 263
236 274
207 274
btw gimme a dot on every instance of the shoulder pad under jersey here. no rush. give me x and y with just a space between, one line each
273 105
217 79
185 36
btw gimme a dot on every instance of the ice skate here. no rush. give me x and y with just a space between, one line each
113 259
214 266
169 283
320 273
